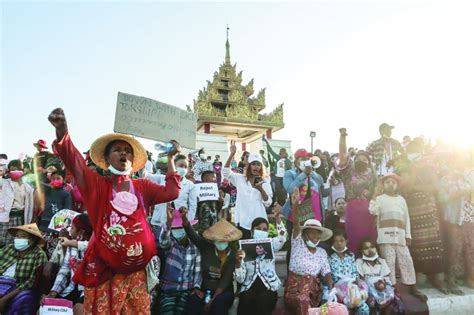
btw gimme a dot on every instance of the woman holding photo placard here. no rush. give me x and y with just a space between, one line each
260 282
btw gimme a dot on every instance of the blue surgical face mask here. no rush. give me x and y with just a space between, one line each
258 234
21 244
221 245
178 233
181 171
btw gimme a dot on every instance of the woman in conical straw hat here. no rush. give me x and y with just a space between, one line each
114 264
217 266
18 264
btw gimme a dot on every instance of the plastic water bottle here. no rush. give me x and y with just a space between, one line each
162 146
207 298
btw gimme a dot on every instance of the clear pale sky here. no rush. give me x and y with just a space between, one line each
333 64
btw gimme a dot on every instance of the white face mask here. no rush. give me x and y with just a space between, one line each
414 157
115 171
339 251
310 244
202 156
370 258
21 244
258 234
304 164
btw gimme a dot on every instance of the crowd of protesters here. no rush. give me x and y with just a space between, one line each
356 224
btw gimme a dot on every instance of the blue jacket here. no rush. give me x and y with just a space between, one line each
295 179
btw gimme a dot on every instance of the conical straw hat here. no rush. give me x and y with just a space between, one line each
97 150
28 228
222 231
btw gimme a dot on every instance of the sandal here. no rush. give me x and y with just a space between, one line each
455 290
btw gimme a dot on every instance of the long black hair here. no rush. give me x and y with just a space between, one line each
258 221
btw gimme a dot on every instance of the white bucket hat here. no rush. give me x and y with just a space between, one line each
316 225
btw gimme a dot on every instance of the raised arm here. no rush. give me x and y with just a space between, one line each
197 240
164 241
342 146
270 151
58 120
87 181
295 201
233 150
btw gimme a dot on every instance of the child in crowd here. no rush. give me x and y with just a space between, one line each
376 273
393 229
64 285
350 289
207 211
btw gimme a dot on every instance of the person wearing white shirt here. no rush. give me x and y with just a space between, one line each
254 192
187 196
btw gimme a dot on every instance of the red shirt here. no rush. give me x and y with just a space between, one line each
99 264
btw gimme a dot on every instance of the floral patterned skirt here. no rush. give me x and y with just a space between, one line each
302 293
123 294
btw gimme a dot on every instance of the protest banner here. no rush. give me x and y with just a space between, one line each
207 191
257 248
55 307
62 219
151 119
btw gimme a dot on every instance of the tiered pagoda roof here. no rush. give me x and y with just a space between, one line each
230 108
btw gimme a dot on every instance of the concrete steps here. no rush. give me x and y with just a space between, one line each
437 304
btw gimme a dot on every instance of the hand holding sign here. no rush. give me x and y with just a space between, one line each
239 256
175 150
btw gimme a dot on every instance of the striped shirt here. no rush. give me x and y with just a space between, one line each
393 221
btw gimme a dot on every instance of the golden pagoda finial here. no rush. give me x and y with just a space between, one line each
227 48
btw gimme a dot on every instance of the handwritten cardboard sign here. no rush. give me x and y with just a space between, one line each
207 191
151 119
257 249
